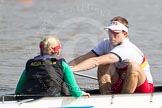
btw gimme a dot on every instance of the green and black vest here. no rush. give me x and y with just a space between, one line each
45 76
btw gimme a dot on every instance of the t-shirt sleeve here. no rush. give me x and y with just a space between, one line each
21 82
102 48
70 81
122 53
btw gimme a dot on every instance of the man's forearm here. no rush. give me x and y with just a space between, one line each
76 61
81 58
85 65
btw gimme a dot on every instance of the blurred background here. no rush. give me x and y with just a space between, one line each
79 25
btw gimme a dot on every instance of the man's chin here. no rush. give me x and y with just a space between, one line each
113 44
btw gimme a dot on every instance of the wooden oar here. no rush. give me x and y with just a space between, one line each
87 76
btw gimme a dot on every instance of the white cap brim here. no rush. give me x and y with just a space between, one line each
116 27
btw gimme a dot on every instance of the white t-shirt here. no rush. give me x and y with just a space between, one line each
126 52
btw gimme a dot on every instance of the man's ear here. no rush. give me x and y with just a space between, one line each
126 34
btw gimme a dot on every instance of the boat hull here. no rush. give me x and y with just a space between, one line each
148 100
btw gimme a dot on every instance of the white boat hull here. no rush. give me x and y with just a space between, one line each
95 101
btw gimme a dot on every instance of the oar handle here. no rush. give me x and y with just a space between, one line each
87 76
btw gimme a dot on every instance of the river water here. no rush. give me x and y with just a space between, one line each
79 25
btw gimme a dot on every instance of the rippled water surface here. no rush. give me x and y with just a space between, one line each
79 25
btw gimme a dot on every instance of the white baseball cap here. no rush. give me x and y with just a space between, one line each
116 26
